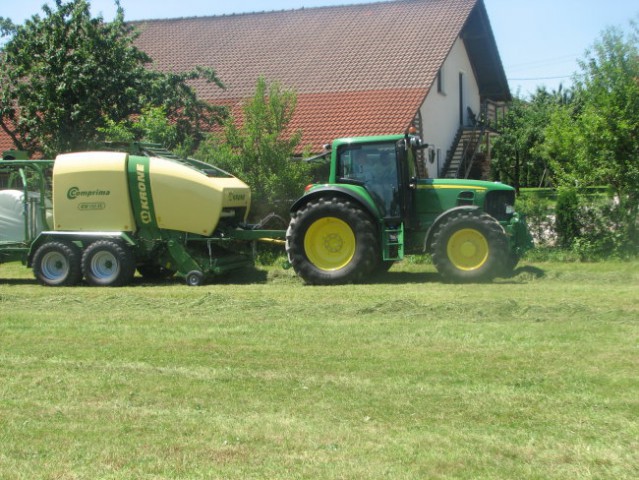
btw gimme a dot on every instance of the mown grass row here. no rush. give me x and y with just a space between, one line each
259 376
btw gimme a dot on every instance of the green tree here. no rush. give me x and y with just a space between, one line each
152 125
6 27
65 75
260 150
567 216
596 140
517 158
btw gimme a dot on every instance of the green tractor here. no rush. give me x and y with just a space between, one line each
374 209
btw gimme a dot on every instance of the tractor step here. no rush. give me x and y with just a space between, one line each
393 242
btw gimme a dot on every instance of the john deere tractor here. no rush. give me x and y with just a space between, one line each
374 209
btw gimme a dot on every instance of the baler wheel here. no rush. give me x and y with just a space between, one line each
108 263
331 240
57 264
470 247
194 278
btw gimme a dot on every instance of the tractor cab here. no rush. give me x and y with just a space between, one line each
374 167
385 168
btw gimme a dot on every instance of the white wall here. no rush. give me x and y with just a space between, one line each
440 111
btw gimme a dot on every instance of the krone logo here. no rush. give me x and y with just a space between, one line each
145 208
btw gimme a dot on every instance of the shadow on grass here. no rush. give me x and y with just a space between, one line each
403 277
241 276
530 270
18 281
524 275
247 276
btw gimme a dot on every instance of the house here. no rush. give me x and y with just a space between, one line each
365 69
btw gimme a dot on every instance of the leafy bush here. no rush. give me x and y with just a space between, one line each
260 151
567 223
538 210
605 233
586 226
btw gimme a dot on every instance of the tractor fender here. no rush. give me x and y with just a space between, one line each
345 192
440 219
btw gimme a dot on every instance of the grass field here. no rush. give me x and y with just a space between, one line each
260 377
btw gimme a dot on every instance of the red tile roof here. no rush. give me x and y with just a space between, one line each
5 142
325 116
357 69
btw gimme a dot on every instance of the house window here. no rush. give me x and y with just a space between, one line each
440 82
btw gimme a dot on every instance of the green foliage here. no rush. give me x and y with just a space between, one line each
65 75
151 126
516 152
566 216
6 27
260 150
572 225
537 210
594 141
604 233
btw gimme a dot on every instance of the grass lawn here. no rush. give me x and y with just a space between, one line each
261 377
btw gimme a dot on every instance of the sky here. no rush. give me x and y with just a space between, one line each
539 41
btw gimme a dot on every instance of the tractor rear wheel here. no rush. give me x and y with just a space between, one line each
470 247
331 240
57 264
108 263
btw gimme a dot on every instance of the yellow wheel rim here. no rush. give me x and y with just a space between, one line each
467 249
329 243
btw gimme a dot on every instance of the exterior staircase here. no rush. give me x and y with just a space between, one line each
462 156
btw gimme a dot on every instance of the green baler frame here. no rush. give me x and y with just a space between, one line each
33 178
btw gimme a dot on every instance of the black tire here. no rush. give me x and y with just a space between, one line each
194 278
470 247
57 264
108 263
331 240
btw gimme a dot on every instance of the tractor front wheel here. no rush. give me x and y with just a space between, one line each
331 240
108 263
57 264
470 247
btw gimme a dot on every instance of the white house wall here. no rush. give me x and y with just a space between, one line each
441 112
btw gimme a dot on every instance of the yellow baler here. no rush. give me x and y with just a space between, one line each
113 213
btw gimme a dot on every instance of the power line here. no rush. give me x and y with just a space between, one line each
538 78
542 62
